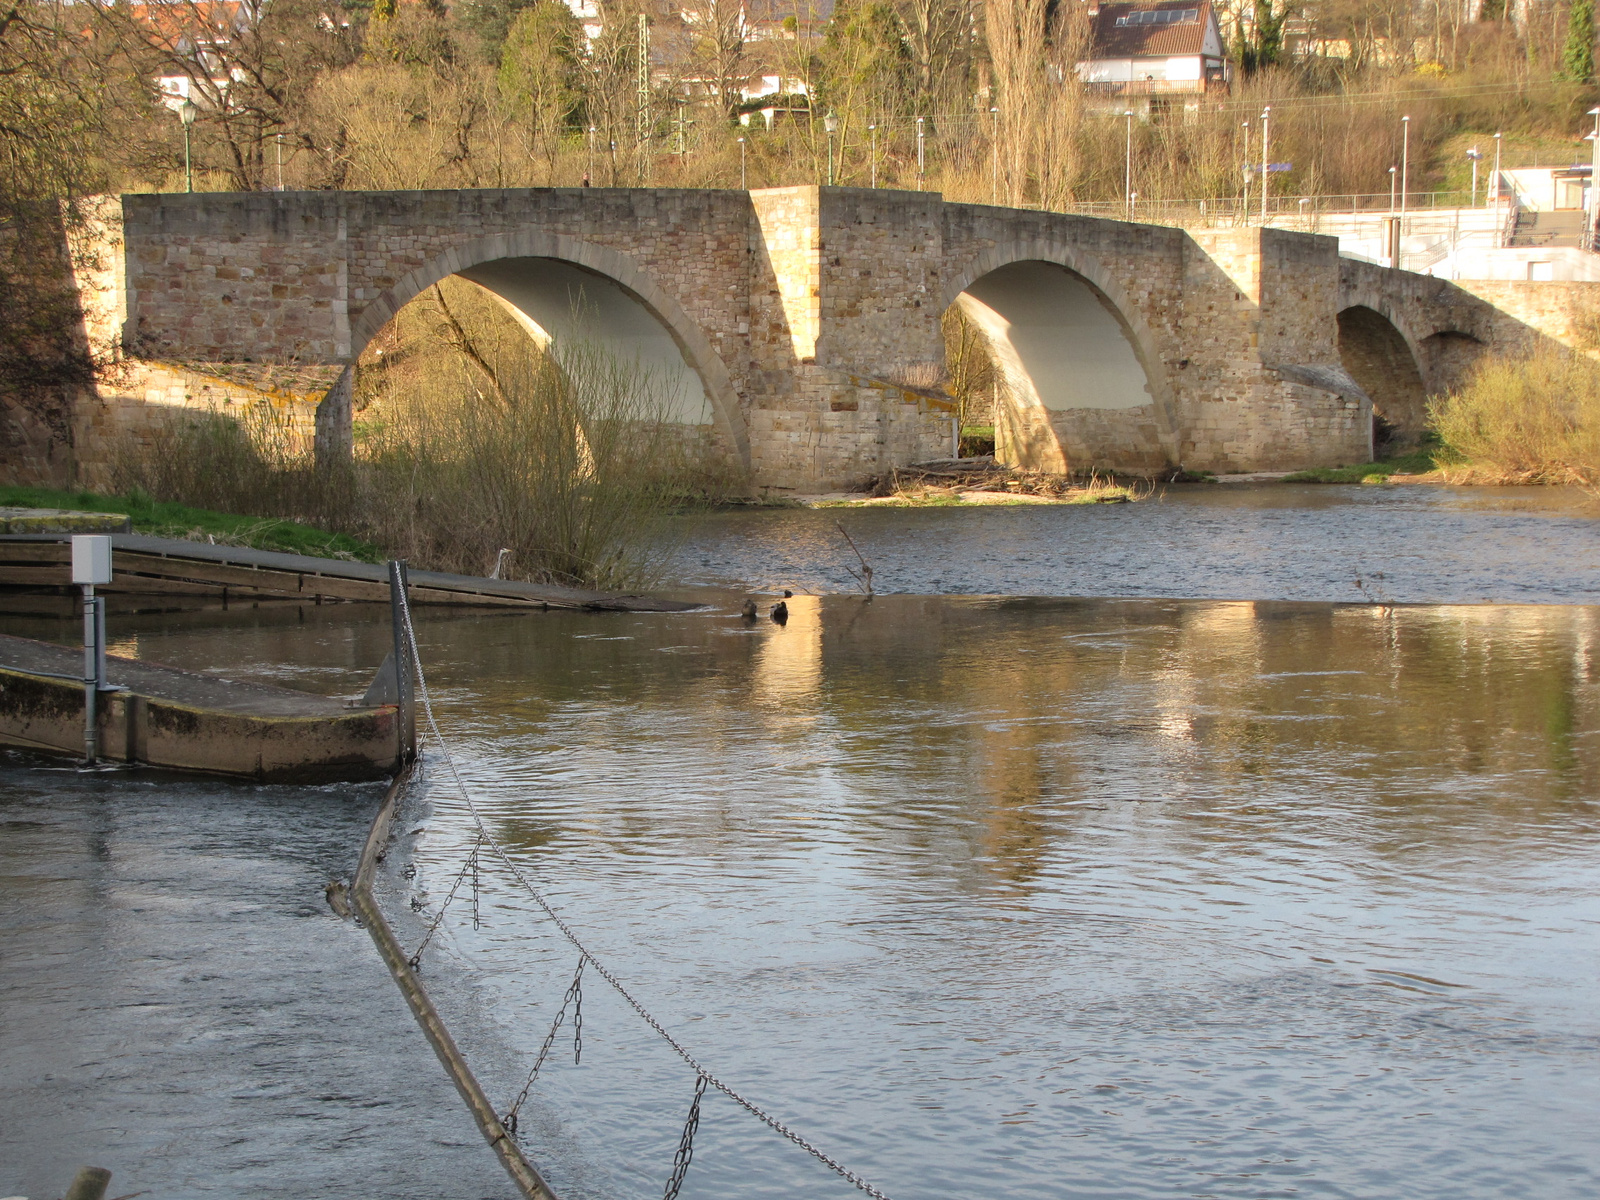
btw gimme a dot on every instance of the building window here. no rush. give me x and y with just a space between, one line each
1163 16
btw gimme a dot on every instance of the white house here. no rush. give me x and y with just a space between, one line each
1153 58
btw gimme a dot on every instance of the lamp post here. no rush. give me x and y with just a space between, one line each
1497 191
1127 167
743 186
187 112
1245 171
872 131
589 174
1266 141
1594 180
1303 202
1392 173
1475 157
994 154
922 162
831 124
280 162
1405 164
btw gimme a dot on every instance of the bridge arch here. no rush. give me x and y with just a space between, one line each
1382 354
534 273
1081 364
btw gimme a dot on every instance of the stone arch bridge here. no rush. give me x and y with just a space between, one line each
803 325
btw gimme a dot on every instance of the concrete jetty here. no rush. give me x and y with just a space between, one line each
165 717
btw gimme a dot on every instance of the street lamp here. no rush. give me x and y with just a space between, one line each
922 162
1405 166
1496 191
1127 166
1594 180
280 162
1475 157
187 112
589 174
831 124
1392 171
1303 201
994 152
1266 139
1245 171
872 130
743 186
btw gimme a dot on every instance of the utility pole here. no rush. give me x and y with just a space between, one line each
642 118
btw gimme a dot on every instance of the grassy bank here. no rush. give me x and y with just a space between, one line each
1419 463
164 519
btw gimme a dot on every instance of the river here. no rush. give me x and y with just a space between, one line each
1250 897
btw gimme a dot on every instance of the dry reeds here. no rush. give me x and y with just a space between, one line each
473 441
1533 419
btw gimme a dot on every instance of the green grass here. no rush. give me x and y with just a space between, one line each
1406 464
197 524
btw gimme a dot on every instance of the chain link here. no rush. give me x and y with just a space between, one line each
510 864
415 961
685 1155
574 994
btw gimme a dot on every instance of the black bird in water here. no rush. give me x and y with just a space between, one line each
780 612
748 612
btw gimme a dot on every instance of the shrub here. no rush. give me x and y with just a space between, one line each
1533 419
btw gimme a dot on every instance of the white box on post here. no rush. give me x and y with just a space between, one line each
91 558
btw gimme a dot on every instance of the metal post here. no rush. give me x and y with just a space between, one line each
92 659
873 130
188 163
280 162
922 163
406 716
743 185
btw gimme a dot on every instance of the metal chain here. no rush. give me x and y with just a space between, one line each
685 1155
574 993
476 846
415 961
749 1106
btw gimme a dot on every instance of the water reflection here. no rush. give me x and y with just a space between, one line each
1042 897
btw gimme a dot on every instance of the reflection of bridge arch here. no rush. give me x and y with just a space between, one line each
1068 339
540 275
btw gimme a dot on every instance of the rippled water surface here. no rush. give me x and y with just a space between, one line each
1270 541
1021 898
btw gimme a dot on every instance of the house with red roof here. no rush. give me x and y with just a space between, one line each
1155 58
